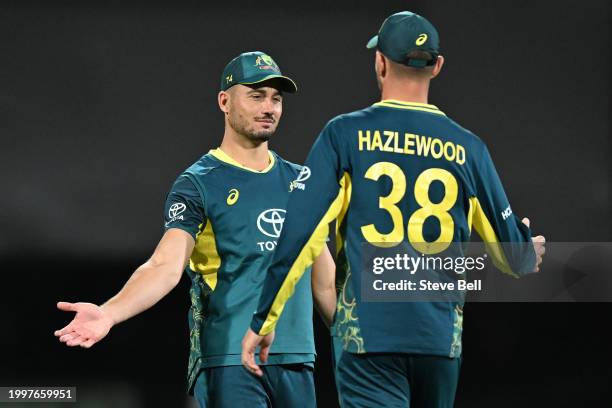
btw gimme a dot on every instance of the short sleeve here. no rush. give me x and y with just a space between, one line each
184 207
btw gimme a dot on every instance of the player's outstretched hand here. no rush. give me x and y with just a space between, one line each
90 324
249 346
539 245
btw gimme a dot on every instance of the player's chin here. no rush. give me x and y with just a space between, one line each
263 135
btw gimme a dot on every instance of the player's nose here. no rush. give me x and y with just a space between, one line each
268 106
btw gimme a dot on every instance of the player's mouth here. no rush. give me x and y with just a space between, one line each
265 123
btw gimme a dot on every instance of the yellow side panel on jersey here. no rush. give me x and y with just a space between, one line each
307 255
205 259
470 216
483 226
346 181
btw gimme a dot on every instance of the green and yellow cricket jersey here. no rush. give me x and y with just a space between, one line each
392 173
235 215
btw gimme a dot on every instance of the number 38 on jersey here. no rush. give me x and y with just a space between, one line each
417 219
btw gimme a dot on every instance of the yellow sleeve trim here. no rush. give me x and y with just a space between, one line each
483 227
224 157
307 255
205 259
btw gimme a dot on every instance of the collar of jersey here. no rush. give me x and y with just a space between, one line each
221 155
423 107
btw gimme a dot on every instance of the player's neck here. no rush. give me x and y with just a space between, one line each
406 91
252 155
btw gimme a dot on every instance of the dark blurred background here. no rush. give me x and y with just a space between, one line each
103 104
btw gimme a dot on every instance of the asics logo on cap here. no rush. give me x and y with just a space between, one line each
421 39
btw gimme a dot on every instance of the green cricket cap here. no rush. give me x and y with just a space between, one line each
404 32
252 68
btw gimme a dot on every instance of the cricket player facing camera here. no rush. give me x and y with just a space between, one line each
223 218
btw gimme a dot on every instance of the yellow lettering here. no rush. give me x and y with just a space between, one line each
449 156
389 135
364 139
377 142
460 154
396 148
423 144
408 142
436 142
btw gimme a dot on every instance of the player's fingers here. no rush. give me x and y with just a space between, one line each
85 332
525 221
66 306
88 343
67 329
76 341
263 353
248 361
68 337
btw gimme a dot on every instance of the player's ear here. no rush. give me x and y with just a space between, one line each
223 100
381 64
438 67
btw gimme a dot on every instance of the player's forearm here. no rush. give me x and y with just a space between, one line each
325 303
324 285
147 286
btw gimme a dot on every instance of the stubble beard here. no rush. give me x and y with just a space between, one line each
242 127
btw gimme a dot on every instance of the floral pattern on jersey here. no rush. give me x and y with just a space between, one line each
346 322
199 293
456 346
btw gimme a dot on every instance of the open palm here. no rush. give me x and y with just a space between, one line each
90 324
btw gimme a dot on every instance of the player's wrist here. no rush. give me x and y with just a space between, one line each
109 315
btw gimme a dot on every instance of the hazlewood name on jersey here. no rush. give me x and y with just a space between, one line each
411 144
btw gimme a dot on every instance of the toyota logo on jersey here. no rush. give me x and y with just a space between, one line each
299 182
270 222
174 212
176 209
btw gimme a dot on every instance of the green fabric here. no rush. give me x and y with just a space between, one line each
280 386
254 67
246 232
400 380
273 359
404 32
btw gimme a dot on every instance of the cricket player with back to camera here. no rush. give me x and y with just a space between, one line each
399 171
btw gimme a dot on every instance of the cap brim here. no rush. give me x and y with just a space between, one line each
287 84
373 42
